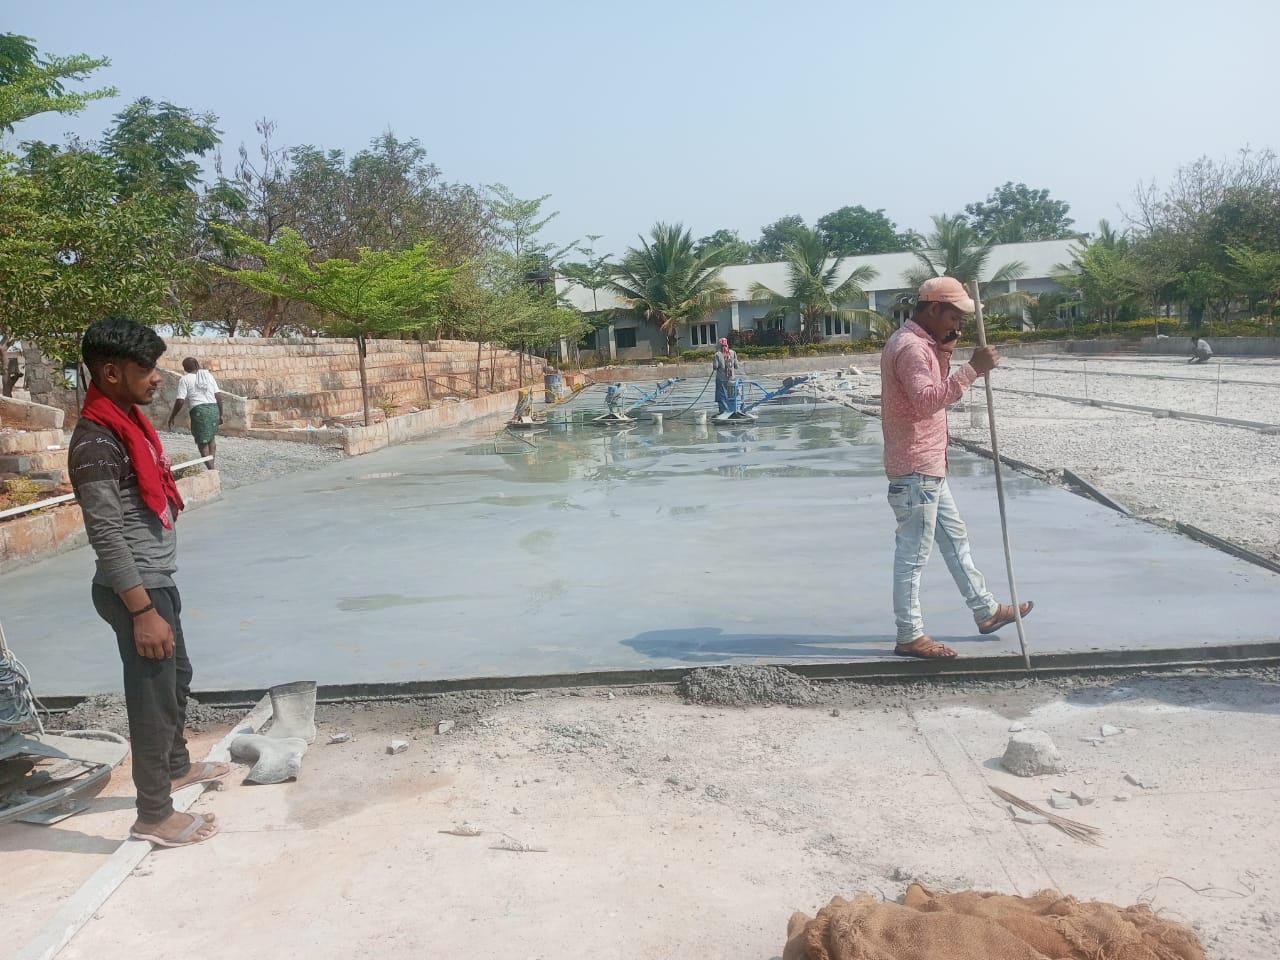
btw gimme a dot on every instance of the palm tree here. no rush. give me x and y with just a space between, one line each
668 284
812 286
1101 275
954 249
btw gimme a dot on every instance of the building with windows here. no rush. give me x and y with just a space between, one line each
628 337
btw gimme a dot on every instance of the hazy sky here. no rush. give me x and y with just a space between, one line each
711 114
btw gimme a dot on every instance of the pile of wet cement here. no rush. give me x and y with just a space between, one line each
740 686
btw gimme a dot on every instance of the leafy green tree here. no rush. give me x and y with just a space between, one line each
154 146
31 84
72 250
380 292
1102 275
251 199
736 249
814 288
1015 213
1185 229
774 236
854 231
1257 274
386 197
594 274
954 249
667 283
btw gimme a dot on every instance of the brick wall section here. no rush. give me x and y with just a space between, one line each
30 537
301 381
356 440
25 415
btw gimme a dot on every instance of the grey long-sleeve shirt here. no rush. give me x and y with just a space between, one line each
132 545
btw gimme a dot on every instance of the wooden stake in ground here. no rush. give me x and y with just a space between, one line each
995 459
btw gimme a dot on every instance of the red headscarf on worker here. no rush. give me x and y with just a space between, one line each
724 346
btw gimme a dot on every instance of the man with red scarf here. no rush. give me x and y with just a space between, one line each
129 499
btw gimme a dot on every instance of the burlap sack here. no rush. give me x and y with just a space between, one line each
974 925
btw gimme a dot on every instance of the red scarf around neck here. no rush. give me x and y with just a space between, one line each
155 479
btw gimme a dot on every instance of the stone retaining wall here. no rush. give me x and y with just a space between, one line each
30 537
299 381
410 426
25 415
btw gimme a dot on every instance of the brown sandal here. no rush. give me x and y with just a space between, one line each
1003 617
924 648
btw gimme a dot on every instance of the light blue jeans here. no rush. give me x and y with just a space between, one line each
926 512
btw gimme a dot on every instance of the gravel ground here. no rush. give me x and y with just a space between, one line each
1222 479
243 461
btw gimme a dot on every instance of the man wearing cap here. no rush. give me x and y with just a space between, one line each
916 390
725 367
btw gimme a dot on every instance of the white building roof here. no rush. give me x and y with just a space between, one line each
1041 259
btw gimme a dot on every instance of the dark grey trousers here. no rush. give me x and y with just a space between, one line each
155 697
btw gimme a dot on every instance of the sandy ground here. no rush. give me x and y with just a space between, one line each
668 829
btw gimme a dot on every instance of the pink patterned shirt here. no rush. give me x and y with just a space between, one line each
914 396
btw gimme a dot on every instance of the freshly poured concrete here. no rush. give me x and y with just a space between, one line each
580 548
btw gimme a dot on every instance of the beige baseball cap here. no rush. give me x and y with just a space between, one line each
946 290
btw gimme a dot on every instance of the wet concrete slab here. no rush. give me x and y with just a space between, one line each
579 548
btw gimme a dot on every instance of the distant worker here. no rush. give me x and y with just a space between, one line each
524 407
1201 352
200 389
916 393
613 400
725 367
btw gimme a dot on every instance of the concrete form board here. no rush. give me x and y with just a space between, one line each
598 551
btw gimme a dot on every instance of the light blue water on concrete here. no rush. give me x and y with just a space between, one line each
585 549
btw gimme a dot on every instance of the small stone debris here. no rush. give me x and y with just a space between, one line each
516 846
1017 726
463 830
835 713
1140 781
339 737
1082 798
527 696
444 726
1059 802
1122 797
1096 741
1107 730
1031 753
716 793
397 746
1026 816
515 811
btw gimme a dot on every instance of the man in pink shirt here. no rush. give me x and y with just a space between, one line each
916 389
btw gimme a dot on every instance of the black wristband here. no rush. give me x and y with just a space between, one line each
141 610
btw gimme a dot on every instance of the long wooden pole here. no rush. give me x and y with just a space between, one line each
995 457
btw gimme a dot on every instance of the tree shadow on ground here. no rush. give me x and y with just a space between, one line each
713 645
